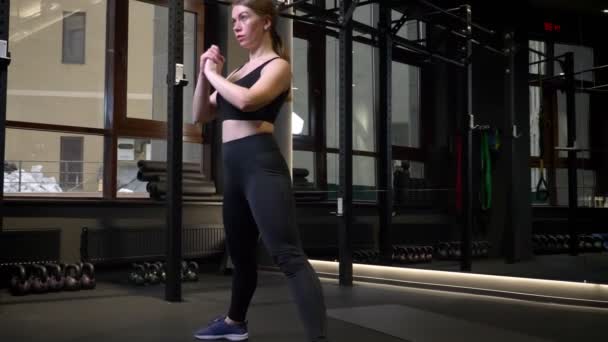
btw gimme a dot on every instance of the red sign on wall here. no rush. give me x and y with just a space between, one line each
551 27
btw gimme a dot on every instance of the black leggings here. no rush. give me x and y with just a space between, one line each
258 200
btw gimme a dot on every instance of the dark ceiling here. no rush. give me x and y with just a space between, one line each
593 7
580 6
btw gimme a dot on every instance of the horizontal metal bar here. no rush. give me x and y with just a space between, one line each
473 40
591 69
452 15
442 11
293 4
591 90
537 52
556 58
311 21
56 128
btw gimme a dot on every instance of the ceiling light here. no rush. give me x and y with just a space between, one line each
605 11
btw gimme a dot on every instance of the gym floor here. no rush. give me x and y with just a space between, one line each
116 311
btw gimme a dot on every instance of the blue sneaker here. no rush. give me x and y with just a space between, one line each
218 329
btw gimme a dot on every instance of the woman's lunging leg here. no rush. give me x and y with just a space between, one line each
273 207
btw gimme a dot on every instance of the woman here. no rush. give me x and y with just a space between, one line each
257 184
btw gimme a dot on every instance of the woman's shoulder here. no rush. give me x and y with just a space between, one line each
277 64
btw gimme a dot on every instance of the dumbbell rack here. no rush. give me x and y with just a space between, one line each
560 243
153 273
452 250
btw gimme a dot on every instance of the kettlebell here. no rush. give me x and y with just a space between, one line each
148 276
161 271
39 279
153 273
56 278
19 284
137 275
192 272
87 280
72 277
184 271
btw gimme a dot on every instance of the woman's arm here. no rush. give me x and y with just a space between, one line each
203 105
275 79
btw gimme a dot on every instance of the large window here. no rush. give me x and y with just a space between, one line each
301 111
130 151
318 105
406 105
44 84
78 83
549 127
40 163
147 68
363 96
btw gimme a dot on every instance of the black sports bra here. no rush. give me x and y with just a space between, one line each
267 113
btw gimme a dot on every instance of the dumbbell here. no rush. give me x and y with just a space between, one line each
72 277
87 279
19 284
56 277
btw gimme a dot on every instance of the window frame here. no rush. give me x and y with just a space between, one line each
551 159
316 140
116 122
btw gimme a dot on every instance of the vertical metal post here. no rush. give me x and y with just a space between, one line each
4 62
345 195
467 230
173 289
572 153
551 157
383 132
509 147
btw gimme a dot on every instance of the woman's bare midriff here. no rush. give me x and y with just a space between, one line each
237 129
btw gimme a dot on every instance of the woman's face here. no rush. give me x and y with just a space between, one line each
248 27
